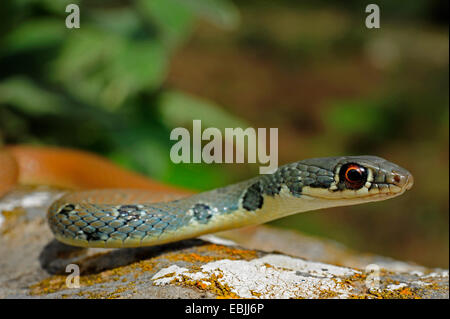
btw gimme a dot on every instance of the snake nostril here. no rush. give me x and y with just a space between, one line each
397 178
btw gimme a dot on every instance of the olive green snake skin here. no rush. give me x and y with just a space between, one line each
131 219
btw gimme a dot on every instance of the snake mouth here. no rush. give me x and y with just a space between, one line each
409 182
368 196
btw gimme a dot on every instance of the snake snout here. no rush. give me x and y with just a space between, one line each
401 178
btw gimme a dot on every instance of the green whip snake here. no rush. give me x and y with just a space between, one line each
132 218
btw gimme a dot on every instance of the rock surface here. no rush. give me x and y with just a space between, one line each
260 262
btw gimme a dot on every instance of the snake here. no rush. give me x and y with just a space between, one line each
119 208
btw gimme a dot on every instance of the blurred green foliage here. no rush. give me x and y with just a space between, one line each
100 87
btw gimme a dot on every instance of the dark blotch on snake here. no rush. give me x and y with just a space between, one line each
127 208
95 236
271 184
67 209
202 213
253 198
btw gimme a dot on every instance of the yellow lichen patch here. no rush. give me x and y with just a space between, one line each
256 294
14 213
49 285
401 293
58 282
406 292
355 280
229 252
327 294
212 252
117 293
359 280
12 217
190 257
143 266
214 286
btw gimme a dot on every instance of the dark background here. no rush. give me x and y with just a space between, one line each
136 69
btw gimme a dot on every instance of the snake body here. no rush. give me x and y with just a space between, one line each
132 218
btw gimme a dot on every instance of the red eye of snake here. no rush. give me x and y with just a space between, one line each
353 175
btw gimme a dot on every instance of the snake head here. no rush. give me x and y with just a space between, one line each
356 179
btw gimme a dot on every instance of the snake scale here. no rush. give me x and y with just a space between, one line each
132 218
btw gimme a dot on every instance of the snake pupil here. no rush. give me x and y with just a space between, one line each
353 175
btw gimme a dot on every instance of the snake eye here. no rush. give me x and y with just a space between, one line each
353 175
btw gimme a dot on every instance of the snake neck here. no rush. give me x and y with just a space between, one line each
255 201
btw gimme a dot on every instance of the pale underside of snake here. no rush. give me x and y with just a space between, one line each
153 214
